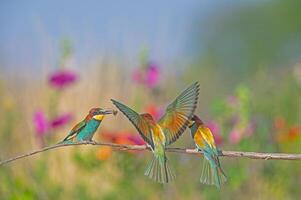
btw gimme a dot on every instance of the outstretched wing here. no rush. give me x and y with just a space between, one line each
140 123
178 113
76 129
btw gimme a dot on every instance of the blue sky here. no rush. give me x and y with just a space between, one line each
31 30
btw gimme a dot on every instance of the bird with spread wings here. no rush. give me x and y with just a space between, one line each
164 132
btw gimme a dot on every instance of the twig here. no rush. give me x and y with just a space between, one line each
124 147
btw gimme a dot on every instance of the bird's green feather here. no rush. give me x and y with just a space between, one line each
76 129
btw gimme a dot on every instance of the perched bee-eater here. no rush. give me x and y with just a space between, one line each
84 130
212 172
164 132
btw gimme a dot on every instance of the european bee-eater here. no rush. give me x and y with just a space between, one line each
84 130
164 132
212 172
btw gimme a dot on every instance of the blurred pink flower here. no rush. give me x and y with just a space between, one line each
62 78
148 76
40 123
232 101
61 120
249 130
215 129
137 76
235 136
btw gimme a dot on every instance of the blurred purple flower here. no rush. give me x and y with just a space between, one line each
62 78
61 120
215 129
40 123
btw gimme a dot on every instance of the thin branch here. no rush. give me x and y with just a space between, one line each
124 147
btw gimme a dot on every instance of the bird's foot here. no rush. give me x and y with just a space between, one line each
93 142
219 152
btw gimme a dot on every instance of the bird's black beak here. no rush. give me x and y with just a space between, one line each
108 112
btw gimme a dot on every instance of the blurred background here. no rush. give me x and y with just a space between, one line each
60 58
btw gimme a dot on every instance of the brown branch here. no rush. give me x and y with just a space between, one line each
124 147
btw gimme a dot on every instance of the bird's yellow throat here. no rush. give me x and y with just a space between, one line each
99 117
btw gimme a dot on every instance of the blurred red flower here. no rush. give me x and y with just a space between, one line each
154 110
279 123
123 137
294 132
285 133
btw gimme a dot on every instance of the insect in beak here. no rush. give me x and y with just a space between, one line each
191 122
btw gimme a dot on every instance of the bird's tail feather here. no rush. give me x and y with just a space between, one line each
159 170
212 173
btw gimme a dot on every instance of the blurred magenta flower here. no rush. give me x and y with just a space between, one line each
43 126
152 75
61 120
148 76
40 123
136 139
62 78
215 129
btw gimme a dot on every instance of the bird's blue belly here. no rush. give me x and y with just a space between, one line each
88 131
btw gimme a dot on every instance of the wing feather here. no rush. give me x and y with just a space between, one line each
75 130
178 113
140 124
